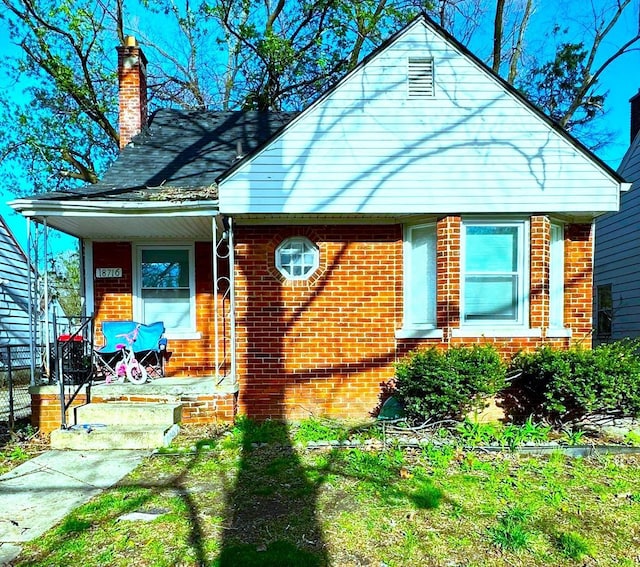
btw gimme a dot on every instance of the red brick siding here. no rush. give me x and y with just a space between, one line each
448 272
113 301
321 346
112 296
45 411
540 228
326 346
578 286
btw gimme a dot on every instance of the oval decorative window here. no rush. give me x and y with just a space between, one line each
297 258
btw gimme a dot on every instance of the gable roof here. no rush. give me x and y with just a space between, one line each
367 147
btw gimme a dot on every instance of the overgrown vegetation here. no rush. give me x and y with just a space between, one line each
572 383
554 385
272 502
19 445
434 383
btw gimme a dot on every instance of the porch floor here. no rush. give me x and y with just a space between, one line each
158 387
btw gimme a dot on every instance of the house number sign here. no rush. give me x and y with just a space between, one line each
108 272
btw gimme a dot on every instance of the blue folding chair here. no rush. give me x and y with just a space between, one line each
149 347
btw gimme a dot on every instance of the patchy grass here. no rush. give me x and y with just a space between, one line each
229 499
19 445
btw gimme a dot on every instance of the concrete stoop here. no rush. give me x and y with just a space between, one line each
119 425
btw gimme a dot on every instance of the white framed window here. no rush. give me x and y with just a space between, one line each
556 277
420 277
165 287
495 279
297 258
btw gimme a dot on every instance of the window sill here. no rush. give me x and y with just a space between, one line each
559 332
508 332
408 333
182 335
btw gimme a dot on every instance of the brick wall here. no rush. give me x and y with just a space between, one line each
321 346
539 256
578 287
45 410
113 301
326 346
448 235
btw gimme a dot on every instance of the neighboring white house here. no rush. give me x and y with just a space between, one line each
617 252
14 290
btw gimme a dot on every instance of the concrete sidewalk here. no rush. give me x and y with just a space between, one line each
41 492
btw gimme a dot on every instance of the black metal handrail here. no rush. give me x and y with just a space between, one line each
73 360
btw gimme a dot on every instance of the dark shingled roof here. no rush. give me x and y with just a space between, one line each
180 154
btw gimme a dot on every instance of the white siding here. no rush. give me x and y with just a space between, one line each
14 290
369 148
617 252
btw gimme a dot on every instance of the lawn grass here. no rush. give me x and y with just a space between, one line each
233 499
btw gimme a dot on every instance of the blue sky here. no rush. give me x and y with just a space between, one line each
622 80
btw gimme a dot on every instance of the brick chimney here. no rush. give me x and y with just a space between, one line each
132 82
635 115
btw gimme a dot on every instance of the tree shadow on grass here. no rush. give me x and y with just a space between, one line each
234 500
271 510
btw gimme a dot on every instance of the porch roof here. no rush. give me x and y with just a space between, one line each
163 184
118 220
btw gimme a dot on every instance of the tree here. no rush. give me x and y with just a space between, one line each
64 280
270 54
66 132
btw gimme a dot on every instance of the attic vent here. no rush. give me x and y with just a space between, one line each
420 77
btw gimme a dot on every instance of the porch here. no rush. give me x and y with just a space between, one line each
203 400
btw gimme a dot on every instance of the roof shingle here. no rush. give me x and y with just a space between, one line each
180 154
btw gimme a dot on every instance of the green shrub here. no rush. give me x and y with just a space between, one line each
432 383
570 383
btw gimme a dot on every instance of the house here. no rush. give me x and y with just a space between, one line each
15 314
21 320
617 289
295 258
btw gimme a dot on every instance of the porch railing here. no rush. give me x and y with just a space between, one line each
72 359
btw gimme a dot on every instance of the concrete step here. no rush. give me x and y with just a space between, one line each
128 413
105 437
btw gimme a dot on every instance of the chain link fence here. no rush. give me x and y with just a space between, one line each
15 376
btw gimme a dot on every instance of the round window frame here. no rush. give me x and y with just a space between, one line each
310 246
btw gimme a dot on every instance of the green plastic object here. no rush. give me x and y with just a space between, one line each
391 409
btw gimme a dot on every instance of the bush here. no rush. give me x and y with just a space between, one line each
575 382
447 384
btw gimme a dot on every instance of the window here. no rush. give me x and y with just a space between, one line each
556 278
165 287
420 277
420 77
493 273
605 310
297 258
